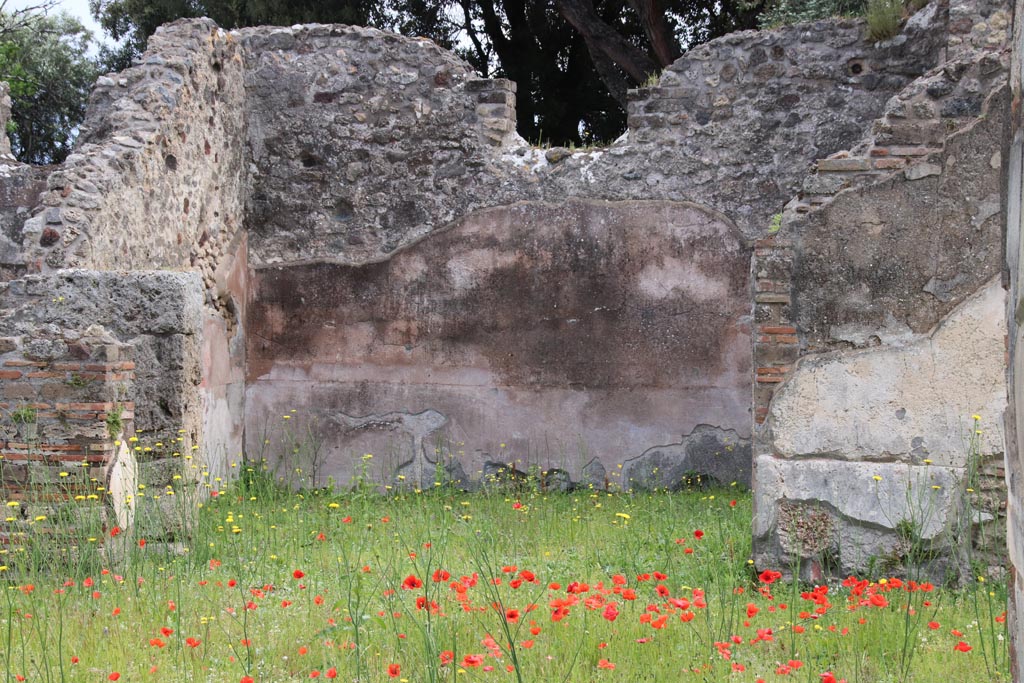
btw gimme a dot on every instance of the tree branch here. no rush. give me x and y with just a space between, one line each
658 30
482 56
600 37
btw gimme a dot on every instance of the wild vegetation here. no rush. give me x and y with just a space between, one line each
429 585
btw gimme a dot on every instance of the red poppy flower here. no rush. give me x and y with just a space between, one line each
447 656
411 583
331 673
605 664
962 647
698 534
394 670
298 573
113 676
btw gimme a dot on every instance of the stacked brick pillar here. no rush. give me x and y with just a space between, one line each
776 345
62 462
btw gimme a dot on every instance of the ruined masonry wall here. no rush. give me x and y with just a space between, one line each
20 188
735 122
160 148
880 279
414 141
1013 201
159 179
364 141
79 346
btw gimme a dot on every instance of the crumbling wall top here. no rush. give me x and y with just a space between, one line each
363 141
157 175
735 122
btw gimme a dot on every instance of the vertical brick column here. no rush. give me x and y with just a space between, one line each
495 108
56 472
776 345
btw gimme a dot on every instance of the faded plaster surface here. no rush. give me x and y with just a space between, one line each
561 331
904 403
849 429
222 388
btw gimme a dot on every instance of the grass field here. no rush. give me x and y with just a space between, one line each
445 586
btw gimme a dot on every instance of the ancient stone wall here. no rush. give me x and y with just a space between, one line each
20 188
735 122
1013 200
159 148
414 140
415 144
158 179
94 355
882 275
378 257
364 141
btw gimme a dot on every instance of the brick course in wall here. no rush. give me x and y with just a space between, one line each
61 465
776 343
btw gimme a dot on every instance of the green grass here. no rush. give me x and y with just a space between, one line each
282 587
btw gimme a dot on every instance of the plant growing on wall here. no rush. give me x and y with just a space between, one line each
24 418
115 421
24 414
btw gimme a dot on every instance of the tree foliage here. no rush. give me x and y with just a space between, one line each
45 61
573 60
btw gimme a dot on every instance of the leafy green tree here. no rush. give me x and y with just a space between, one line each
45 60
